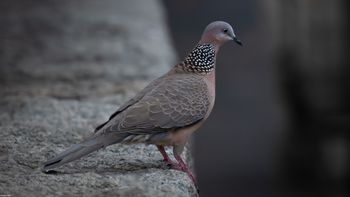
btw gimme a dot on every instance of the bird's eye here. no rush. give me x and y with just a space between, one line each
225 30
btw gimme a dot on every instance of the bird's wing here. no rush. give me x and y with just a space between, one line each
130 102
177 101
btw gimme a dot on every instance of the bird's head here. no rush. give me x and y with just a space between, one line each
218 33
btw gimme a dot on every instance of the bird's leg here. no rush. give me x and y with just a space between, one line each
184 168
167 160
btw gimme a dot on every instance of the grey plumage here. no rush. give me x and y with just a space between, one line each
176 101
79 150
165 105
168 110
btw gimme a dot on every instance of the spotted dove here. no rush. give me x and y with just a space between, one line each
167 111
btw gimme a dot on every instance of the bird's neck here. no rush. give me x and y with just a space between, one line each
201 59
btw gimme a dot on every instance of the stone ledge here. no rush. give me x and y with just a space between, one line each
65 67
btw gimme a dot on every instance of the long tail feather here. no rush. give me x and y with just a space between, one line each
79 150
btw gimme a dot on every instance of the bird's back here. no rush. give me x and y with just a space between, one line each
177 100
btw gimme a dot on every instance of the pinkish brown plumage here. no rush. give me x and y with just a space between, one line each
168 110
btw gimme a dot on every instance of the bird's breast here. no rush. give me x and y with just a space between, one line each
210 81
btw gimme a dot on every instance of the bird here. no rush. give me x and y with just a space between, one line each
167 111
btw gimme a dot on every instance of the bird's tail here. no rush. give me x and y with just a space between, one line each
79 150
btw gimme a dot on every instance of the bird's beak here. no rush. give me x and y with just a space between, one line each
237 41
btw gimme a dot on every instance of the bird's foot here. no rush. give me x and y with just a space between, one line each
192 177
182 165
177 166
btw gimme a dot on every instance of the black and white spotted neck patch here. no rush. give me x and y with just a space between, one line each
201 59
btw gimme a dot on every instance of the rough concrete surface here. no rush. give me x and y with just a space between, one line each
65 67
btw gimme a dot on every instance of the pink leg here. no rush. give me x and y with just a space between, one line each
167 160
184 168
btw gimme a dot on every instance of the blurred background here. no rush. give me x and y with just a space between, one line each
280 126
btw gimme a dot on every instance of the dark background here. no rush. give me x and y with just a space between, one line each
281 123
280 126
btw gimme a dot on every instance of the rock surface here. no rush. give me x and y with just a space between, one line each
65 67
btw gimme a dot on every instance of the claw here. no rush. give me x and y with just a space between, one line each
180 166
